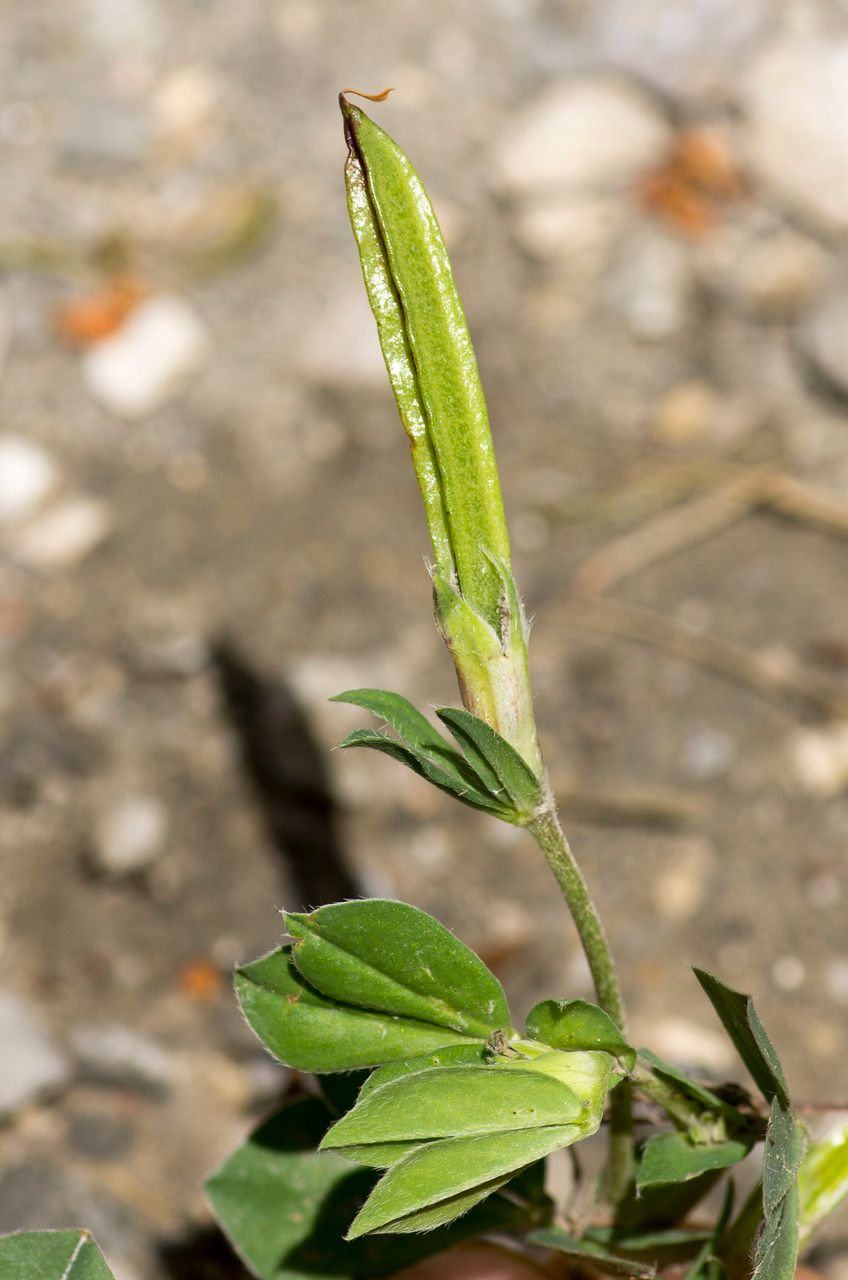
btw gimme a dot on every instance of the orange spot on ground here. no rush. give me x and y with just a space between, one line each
201 980
694 182
93 316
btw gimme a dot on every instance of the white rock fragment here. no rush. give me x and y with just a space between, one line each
28 475
130 835
819 760
63 535
150 360
686 413
707 753
823 338
573 227
795 97
186 100
788 973
596 132
120 1056
32 1065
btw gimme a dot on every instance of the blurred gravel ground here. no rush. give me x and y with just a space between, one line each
209 526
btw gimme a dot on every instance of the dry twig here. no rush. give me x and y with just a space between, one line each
754 671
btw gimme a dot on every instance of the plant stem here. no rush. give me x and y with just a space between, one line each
682 1113
550 837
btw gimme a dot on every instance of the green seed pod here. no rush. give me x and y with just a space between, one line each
433 374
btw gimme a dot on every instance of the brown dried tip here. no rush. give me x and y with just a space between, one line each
372 97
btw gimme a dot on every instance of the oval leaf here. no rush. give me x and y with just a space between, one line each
52 1255
671 1157
494 759
454 782
459 1055
596 1255
311 1033
440 1172
285 1207
446 1102
406 720
392 957
576 1024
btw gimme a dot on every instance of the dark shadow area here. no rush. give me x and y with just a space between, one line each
286 770
203 1255
285 767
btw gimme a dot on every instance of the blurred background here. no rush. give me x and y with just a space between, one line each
209 526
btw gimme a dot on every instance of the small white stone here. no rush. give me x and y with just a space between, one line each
595 132
186 100
150 360
818 759
788 973
63 535
707 754
130 835
32 1065
795 97
685 413
573 228
27 475
119 1055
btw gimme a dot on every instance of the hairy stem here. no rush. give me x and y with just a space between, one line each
548 834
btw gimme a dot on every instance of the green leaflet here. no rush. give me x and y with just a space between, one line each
311 1033
497 763
443 778
597 1255
708 1265
414 728
391 957
823 1178
679 1080
52 1255
671 1157
439 1173
429 357
776 1252
445 1211
447 1102
776 1248
783 1151
748 1034
460 1055
285 1207
576 1024
488 774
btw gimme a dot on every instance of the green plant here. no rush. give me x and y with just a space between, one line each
433 1114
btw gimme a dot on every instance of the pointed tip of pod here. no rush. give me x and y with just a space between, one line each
351 114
